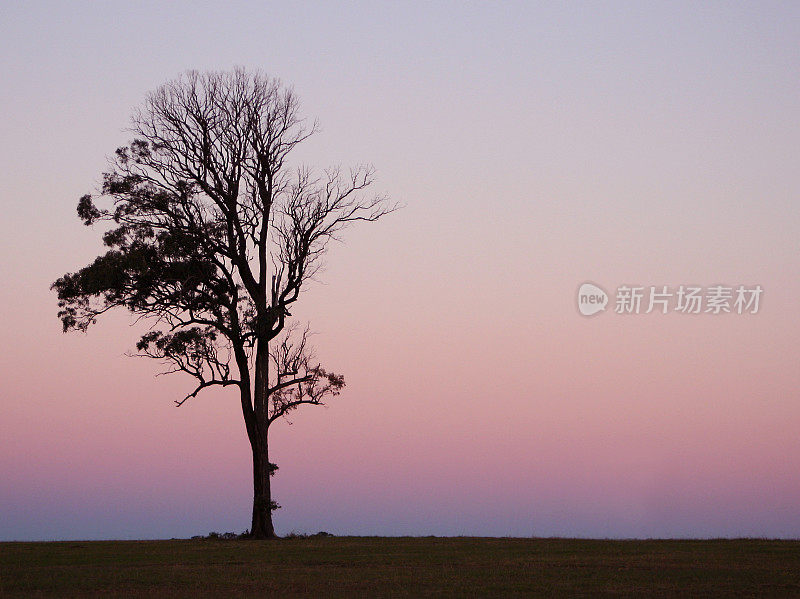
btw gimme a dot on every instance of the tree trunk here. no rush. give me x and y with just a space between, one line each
263 506
261 527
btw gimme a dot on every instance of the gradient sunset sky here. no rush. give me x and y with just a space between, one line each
534 148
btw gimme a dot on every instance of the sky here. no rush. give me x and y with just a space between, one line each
535 147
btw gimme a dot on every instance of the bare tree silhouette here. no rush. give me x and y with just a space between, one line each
212 239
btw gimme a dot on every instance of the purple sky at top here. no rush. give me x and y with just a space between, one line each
534 148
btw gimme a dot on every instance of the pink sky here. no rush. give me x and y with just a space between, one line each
534 150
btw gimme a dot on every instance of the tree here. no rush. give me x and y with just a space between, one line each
212 236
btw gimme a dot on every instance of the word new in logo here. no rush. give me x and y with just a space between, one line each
591 299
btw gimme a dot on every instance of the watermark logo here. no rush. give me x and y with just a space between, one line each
591 299
684 299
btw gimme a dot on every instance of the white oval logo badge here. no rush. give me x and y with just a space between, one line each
591 299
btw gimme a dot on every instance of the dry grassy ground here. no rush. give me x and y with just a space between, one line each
391 567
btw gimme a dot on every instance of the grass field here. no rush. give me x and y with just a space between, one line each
406 566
